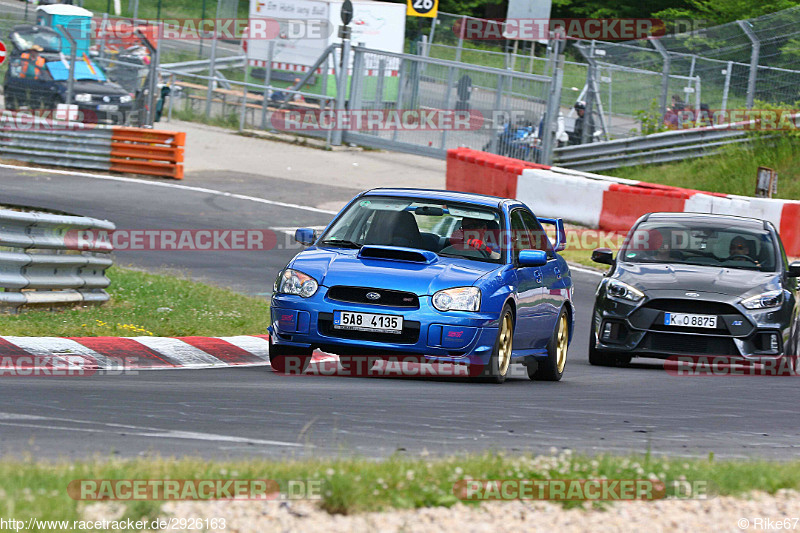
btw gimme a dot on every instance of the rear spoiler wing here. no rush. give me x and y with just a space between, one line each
561 233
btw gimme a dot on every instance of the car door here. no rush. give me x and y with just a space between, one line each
530 283
552 297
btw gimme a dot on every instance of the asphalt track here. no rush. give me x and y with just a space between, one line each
253 412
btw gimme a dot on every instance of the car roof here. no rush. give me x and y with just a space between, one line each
710 219
437 194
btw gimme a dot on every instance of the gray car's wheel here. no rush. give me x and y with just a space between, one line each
604 358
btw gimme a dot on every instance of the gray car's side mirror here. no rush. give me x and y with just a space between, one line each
603 255
794 270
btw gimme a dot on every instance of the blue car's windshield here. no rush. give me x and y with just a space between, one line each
700 244
448 229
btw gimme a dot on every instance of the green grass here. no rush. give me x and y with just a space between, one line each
732 172
38 489
194 309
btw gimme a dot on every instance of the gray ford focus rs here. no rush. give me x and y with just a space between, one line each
698 285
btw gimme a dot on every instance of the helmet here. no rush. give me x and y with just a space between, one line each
580 104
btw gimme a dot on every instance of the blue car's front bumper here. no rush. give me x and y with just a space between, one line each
455 336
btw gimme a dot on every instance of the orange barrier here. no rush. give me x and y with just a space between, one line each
481 172
146 151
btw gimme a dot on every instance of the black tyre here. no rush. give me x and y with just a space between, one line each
288 359
603 358
552 368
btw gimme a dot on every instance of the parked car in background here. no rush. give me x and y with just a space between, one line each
37 78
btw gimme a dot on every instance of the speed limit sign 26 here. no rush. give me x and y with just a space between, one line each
422 8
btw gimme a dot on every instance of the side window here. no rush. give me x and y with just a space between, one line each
538 237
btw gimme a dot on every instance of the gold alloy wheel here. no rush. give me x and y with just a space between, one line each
504 348
563 343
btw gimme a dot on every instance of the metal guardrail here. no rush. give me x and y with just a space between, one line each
656 148
80 148
44 262
189 67
74 145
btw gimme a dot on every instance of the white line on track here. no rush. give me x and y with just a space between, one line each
171 186
136 431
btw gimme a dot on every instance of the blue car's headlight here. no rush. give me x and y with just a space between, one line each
295 282
618 289
764 301
458 299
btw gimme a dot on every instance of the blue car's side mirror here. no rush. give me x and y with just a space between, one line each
305 236
532 258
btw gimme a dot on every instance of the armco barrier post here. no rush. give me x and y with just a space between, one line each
73 45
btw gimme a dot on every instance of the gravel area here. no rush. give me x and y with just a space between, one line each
720 514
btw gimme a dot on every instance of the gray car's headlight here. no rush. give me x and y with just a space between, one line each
124 99
618 289
458 299
83 97
295 282
764 301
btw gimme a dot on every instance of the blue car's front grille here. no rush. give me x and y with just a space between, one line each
385 297
410 334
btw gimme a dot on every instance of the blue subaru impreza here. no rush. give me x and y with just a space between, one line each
439 275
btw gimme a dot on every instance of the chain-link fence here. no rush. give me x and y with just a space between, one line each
496 100
726 67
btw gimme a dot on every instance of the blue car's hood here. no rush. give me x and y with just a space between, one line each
342 267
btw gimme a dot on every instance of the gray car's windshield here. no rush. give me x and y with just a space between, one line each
705 245
455 230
